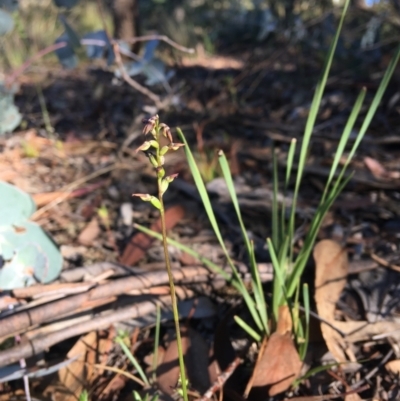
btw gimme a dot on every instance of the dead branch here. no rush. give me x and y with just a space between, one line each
37 345
221 380
20 321
135 85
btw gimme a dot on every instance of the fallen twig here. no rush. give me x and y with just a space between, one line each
221 380
20 321
135 85
37 345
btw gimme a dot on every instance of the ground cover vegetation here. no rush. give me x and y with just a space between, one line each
262 137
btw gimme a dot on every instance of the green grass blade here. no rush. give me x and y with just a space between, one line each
213 221
84 396
306 250
249 330
289 164
283 256
289 169
156 342
239 285
344 139
203 194
313 114
341 182
374 105
215 268
316 370
133 360
279 288
257 285
306 303
276 233
378 97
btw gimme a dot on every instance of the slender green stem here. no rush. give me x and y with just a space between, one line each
173 296
170 276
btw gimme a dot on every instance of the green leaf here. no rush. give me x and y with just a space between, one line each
16 206
213 221
249 330
133 360
84 396
313 114
10 117
256 281
31 256
307 308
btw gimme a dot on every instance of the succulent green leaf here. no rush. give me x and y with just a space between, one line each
34 257
10 117
16 206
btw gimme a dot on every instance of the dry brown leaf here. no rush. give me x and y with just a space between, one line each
280 363
376 168
331 266
278 367
90 232
140 242
168 371
74 377
196 354
8 174
393 366
285 323
352 397
44 198
379 171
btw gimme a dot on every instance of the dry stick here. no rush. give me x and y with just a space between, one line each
190 275
133 83
373 372
384 263
50 49
22 320
22 363
163 38
80 273
38 345
45 290
221 380
11 78
70 187
327 397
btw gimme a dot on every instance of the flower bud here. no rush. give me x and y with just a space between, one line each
171 177
164 150
175 146
145 146
149 198
153 160
150 124
164 186
160 172
166 131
